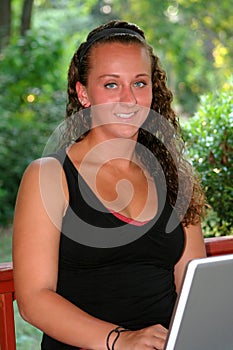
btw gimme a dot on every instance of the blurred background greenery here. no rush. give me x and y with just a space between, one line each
194 42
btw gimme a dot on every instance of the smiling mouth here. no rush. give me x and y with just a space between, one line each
125 115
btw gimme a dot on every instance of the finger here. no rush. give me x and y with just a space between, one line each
160 334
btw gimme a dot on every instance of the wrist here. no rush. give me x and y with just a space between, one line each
113 337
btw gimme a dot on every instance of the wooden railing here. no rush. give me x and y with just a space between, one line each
214 246
219 245
7 325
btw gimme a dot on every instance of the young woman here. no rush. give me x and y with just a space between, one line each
96 264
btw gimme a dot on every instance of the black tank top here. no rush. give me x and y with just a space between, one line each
115 271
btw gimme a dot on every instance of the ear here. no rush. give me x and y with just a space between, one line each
82 94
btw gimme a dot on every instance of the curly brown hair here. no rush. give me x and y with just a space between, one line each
161 136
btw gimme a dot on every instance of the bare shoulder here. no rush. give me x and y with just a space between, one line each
194 237
46 164
44 172
42 193
194 248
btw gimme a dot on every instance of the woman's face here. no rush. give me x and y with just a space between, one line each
119 86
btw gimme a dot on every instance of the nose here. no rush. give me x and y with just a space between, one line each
128 95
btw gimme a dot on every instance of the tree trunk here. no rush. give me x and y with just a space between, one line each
26 16
5 23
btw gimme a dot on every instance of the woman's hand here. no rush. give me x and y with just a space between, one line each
152 337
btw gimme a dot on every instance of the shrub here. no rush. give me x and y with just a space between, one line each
209 139
31 105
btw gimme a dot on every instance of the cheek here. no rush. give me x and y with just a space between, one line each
145 99
100 96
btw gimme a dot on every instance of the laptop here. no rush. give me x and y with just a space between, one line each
203 315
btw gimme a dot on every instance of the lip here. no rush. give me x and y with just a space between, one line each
125 115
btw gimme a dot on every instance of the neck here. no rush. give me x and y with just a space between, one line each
119 150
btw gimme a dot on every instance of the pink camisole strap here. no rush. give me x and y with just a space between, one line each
127 219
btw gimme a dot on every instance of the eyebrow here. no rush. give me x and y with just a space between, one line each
118 76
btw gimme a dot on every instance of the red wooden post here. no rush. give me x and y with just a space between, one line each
7 328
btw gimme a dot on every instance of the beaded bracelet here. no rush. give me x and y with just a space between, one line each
118 330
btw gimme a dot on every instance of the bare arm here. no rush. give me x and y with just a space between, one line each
35 256
194 248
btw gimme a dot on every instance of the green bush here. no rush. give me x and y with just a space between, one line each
31 105
209 140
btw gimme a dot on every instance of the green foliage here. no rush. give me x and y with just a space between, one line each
209 137
193 41
30 108
33 86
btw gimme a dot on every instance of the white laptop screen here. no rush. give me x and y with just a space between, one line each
203 316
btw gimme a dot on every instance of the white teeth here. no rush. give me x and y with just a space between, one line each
125 115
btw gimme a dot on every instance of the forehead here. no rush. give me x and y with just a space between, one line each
117 53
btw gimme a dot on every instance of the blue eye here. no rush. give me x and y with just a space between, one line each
139 84
111 85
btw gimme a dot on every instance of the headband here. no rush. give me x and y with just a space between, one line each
107 33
